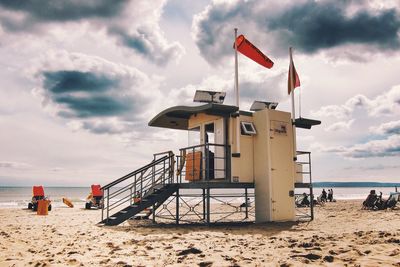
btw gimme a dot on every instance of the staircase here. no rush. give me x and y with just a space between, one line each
146 187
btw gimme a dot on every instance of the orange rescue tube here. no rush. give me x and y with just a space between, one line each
67 202
43 207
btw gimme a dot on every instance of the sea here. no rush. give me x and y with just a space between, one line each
19 197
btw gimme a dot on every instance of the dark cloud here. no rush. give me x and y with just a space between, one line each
316 25
310 26
93 106
77 81
87 94
65 10
139 33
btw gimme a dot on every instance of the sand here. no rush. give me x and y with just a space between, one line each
341 235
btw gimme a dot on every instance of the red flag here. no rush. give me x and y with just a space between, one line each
252 52
292 84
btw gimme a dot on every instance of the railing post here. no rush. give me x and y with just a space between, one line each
163 180
108 203
102 209
130 197
228 162
311 188
141 185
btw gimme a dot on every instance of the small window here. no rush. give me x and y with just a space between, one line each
247 128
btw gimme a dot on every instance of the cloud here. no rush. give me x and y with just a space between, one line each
339 126
77 81
387 103
309 25
92 93
389 147
373 167
134 25
254 84
13 165
318 25
149 43
64 10
389 128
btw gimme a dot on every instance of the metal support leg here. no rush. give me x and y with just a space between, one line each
204 204
208 206
177 207
312 202
246 204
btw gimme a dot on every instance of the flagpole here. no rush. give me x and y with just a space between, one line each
237 150
236 71
291 69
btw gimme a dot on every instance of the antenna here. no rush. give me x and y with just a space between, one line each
209 97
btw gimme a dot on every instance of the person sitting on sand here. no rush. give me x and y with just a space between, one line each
370 201
305 202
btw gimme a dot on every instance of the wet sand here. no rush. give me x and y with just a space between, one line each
341 235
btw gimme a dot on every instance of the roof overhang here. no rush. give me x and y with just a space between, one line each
178 117
306 123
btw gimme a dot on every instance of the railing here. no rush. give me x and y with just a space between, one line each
138 184
204 162
304 160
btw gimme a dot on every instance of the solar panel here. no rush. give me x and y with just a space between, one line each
209 97
260 105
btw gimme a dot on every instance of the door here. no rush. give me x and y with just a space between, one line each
282 171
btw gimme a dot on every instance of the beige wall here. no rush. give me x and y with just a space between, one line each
274 168
242 167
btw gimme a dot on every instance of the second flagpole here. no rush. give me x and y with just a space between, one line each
291 72
237 150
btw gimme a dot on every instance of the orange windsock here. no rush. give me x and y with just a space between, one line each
252 52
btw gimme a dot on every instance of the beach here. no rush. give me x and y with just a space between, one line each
341 234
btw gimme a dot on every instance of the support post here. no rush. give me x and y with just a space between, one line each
208 206
204 204
177 207
246 203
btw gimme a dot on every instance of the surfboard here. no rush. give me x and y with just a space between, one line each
68 202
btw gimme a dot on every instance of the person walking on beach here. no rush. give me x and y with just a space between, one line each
330 195
323 197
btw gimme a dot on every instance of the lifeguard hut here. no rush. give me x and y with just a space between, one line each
228 150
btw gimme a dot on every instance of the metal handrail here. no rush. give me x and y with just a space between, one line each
129 175
209 167
144 180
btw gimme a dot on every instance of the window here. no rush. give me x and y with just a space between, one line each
247 128
194 136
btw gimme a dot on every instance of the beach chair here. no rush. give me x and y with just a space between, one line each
95 198
370 203
37 194
392 201
302 200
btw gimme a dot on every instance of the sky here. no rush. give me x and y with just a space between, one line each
80 80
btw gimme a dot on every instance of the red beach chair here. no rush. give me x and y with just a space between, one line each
37 194
95 198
